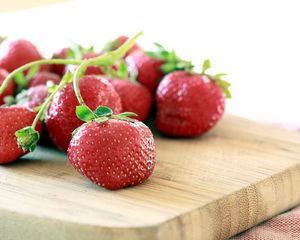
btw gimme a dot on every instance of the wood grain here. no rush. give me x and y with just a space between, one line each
210 187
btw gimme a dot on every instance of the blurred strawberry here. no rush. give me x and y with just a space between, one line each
16 53
10 89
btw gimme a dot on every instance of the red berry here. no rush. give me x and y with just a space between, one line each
135 97
13 119
61 119
14 54
114 154
10 89
43 77
188 104
148 69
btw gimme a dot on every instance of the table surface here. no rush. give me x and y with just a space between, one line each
210 187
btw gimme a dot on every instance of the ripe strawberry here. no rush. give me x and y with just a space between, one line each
12 119
189 104
61 119
60 68
33 96
10 90
134 97
43 77
113 152
14 54
147 68
113 45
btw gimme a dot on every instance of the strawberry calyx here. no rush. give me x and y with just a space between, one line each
218 78
77 51
121 72
100 115
172 62
27 138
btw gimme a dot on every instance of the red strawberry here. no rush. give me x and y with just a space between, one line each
61 119
113 45
14 54
114 154
189 104
10 89
33 96
60 68
43 77
148 69
12 119
135 97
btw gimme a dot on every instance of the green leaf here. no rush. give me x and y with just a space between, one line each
168 67
9 100
32 72
128 114
20 79
206 65
171 60
27 138
224 85
84 113
125 116
103 111
102 119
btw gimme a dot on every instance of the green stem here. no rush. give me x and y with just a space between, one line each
39 62
47 102
107 59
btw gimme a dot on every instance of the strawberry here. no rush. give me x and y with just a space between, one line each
41 78
10 90
12 119
134 97
16 53
33 96
61 54
147 68
113 151
61 119
189 104
118 42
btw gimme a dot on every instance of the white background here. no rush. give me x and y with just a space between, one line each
256 42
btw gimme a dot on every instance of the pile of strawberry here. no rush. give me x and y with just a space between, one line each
93 104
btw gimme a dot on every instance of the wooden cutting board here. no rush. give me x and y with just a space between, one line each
210 187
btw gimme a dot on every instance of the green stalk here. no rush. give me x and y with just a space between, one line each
39 62
47 102
107 59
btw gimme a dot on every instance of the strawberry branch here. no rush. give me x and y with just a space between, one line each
105 60
20 70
